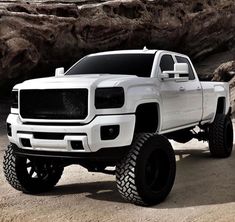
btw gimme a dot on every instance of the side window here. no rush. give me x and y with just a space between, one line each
167 63
185 60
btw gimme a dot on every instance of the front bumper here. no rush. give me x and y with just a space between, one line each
89 134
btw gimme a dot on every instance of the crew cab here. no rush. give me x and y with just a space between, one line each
116 108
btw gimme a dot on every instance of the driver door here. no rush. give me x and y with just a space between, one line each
174 97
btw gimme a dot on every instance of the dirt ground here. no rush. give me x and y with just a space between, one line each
204 190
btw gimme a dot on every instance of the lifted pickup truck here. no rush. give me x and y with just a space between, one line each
117 109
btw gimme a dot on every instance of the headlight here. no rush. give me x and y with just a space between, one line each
14 97
108 98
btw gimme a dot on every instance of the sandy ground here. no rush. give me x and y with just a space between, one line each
204 190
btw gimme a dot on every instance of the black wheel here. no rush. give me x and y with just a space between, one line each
221 136
146 175
30 175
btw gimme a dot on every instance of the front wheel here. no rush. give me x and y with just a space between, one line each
30 175
146 175
221 136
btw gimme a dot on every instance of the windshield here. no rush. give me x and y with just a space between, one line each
121 64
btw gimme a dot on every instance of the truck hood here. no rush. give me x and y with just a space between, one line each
76 81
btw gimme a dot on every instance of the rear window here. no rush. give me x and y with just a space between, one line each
166 63
120 64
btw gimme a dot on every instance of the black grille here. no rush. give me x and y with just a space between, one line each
49 136
54 104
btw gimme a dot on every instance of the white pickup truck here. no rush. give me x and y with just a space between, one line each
117 109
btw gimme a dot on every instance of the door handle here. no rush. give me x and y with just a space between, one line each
198 88
182 88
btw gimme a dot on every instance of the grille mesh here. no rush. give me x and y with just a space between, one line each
54 104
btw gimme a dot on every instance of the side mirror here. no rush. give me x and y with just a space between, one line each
59 71
179 68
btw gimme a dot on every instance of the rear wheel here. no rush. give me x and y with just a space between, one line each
146 175
221 136
30 175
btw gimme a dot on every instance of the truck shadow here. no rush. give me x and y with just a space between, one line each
105 190
200 180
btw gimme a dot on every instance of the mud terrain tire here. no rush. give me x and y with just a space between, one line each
221 136
147 173
30 175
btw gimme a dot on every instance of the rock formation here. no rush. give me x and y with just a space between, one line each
225 72
37 37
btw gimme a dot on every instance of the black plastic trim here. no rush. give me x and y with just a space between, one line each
67 134
114 153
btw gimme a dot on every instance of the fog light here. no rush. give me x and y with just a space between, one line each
109 132
77 145
26 142
9 133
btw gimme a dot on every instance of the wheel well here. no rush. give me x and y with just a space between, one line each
220 105
147 118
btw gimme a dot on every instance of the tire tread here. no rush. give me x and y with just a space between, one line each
125 170
17 181
216 137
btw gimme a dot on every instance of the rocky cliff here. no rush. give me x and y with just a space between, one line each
37 37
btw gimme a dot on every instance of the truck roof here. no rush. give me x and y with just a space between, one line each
134 51
141 51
